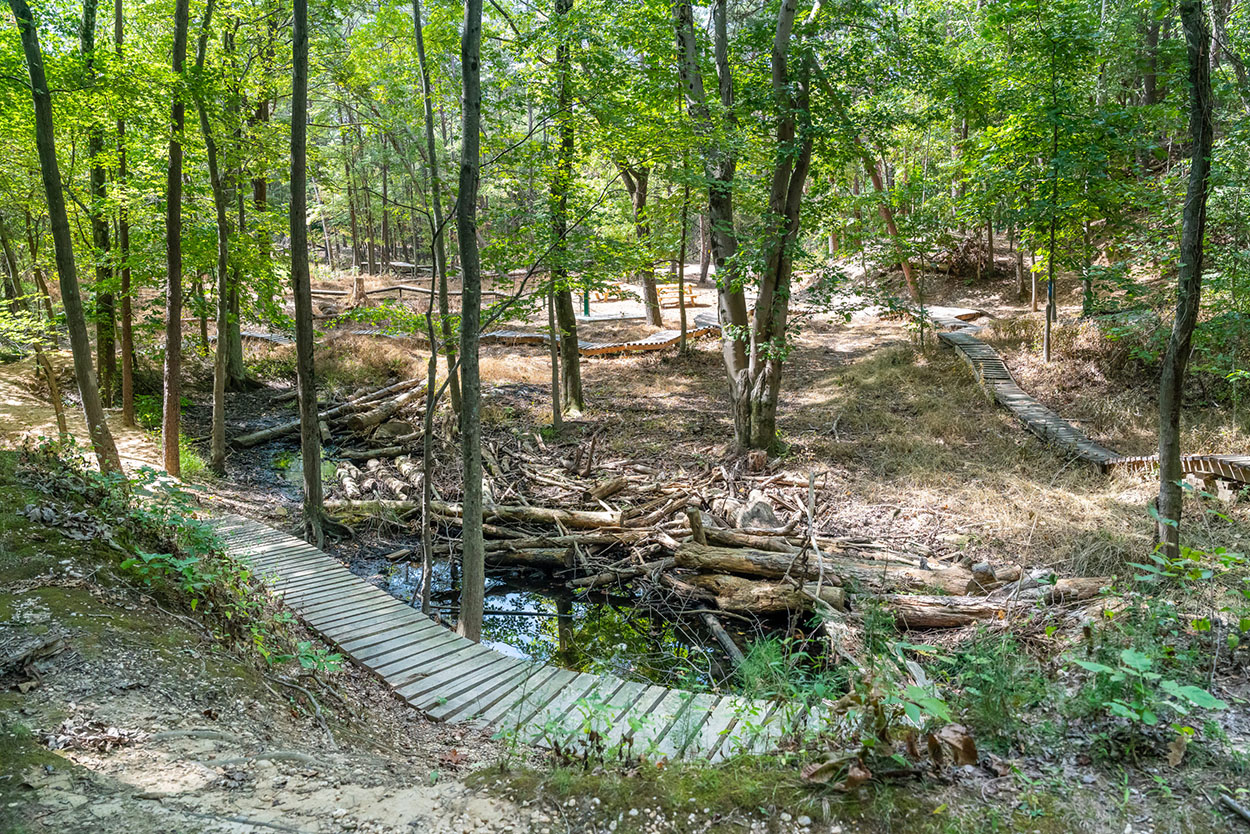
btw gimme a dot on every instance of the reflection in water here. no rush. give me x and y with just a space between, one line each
548 623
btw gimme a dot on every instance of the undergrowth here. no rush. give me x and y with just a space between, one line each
163 543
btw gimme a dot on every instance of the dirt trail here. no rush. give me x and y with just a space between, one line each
23 414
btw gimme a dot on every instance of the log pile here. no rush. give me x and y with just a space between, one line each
712 547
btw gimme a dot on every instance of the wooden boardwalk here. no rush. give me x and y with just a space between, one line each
990 370
456 680
704 324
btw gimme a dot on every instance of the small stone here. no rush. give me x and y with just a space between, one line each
804 821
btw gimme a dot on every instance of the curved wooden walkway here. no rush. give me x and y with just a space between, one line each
990 370
456 680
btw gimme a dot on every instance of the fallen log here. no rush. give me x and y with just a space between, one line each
753 596
369 454
578 519
385 411
607 488
342 410
920 611
349 479
623 537
872 576
726 642
543 558
620 575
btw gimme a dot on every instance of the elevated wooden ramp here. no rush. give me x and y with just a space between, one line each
990 370
456 680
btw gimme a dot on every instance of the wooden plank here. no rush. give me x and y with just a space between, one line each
559 716
430 676
322 575
530 688
378 609
482 695
434 690
636 718
749 718
403 635
663 716
718 724
403 667
355 594
515 718
687 726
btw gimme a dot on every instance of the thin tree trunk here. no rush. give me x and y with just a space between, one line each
439 248
557 412
236 373
681 263
217 457
637 181
13 277
473 557
45 142
566 314
386 211
123 243
1189 282
105 317
301 285
172 408
705 248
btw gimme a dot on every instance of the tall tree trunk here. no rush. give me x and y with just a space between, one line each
172 408
236 373
123 243
473 557
681 260
1189 282
45 142
636 183
720 165
36 271
105 316
705 248
566 314
386 213
217 457
439 248
301 285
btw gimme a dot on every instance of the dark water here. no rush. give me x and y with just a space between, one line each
537 619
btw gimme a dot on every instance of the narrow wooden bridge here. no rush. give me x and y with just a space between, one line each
456 680
990 370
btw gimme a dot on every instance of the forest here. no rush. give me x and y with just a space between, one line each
658 416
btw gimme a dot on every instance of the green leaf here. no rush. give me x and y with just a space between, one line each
1095 667
1136 660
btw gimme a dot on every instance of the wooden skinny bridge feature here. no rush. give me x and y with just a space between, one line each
456 680
990 370
705 324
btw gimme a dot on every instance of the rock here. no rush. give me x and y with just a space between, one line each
758 514
392 429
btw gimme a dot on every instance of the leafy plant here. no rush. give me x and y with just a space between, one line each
1136 692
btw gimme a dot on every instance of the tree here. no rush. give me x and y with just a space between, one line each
566 316
123 242
105 316
1189 279
473 556
301 288
754 347
217 457
172 401
67 270
436 203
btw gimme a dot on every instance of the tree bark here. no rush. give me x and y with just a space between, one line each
636 182
105 316
439 248
45 142
310 435
123 244
473 577
171 403
217 456
566 315
739 595
1189 282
